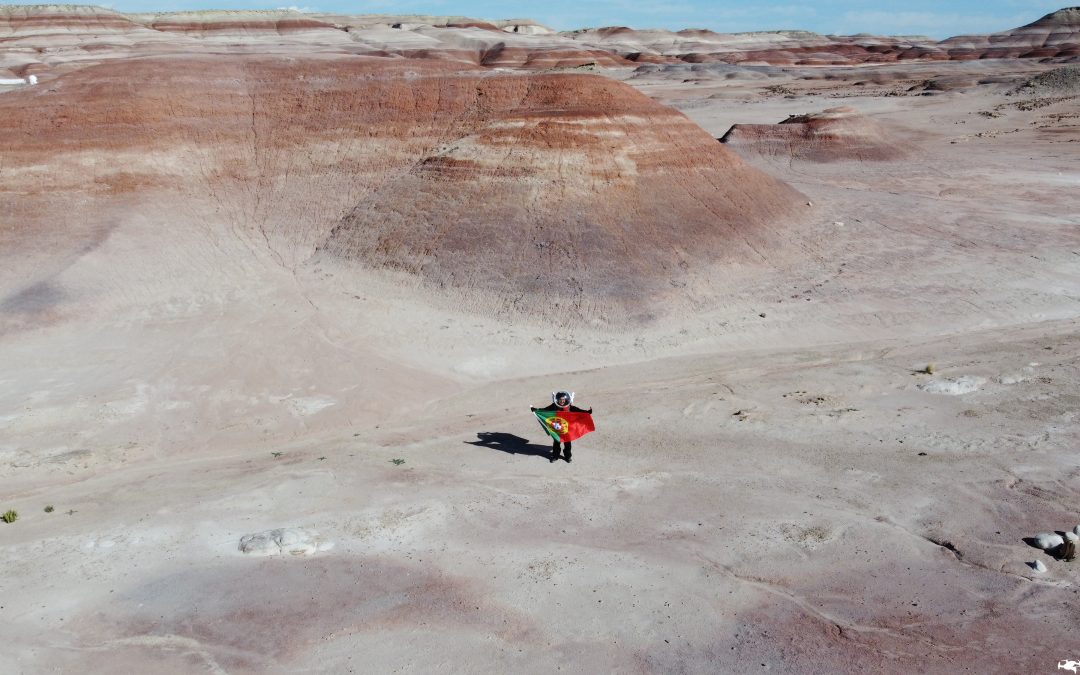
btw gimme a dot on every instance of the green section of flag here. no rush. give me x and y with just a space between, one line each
546 417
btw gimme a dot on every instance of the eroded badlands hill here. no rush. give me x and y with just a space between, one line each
1056 35
574 186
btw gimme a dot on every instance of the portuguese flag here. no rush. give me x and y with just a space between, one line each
565 426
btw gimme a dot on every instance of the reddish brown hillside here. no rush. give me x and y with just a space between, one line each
572 185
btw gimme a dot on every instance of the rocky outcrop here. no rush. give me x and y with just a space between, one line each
833 135
283 541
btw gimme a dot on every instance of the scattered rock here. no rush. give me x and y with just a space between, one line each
1047 541
1072 536
1038 566
953 386
1076 530
1064 80
283 540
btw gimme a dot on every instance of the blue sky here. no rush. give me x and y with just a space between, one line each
922 17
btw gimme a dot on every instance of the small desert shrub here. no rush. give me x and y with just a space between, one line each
398 462
10 516
929 369
49 509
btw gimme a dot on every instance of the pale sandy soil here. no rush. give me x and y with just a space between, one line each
777 493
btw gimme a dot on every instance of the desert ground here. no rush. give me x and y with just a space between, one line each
834 363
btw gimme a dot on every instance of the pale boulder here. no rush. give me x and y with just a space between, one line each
1047 540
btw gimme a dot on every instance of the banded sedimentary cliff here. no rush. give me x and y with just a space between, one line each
32 35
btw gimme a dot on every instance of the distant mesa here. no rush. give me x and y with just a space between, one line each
833 135
414 21
84 31
90 34
784 48
1055 36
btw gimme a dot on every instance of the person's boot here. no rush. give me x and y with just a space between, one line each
554 452
566 452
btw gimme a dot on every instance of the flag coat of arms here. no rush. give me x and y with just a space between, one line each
565 426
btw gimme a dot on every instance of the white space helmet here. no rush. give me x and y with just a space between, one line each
555 395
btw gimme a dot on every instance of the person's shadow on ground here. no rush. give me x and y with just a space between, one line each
510 444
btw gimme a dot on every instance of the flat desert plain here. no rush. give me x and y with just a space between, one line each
310 296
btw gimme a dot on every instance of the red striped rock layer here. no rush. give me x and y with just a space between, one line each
85 19
573 188
91 34
1056 35
42 39
233 23
773 48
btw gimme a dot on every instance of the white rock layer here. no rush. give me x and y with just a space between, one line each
281 541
